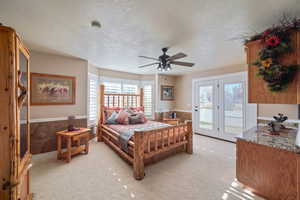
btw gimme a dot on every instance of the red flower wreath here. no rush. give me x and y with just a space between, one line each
273 41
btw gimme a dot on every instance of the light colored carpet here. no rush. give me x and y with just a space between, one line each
208 174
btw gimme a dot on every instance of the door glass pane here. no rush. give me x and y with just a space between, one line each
24 108
233 108
206 107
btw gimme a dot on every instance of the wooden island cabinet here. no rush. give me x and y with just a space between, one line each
269 165
258 92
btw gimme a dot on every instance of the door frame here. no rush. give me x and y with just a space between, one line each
220 133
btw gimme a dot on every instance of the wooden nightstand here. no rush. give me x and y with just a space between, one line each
171 121
76 137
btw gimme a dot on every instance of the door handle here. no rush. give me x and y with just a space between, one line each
196 110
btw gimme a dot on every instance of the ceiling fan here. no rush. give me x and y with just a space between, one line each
164 61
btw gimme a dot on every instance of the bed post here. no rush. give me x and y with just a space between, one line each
189 147
138 155
141 97
101 121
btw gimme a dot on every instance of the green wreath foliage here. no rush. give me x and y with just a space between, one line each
277 43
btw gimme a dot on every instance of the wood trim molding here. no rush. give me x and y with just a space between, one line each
56 119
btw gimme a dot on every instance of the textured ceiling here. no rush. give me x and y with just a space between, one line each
203 29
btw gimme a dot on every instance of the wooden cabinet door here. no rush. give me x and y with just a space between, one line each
267 171
15 154
7 107
23 127
258 92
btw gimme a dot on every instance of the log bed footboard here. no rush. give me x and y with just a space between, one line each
147 144
144 144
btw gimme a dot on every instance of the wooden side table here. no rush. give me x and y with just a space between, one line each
72 136
171 121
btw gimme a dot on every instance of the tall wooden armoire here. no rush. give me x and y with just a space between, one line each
15 157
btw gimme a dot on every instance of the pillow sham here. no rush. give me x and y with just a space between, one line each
112 118
137 109
123 117
138 118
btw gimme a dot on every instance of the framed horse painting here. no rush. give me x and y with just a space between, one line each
50 89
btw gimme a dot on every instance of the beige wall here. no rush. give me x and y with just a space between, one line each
269 110
117 74
183 89
54 64
164 106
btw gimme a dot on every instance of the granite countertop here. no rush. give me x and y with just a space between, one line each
287 139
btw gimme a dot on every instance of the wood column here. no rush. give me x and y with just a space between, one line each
141 97
101 121
189 147
138 151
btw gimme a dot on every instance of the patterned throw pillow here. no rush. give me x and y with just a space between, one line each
123 117
130 111
137 109
112 118
138 118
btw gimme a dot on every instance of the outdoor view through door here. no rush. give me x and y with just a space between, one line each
233 107
220 106
206 107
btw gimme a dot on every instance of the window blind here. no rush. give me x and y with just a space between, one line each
148 100
130 89
112 88
122 86
93 99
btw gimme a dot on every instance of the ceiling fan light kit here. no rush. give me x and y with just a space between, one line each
164 61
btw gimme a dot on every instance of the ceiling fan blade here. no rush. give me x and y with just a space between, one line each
186 64
149 58
177 56
148 65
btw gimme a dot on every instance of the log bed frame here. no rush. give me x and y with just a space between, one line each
144 146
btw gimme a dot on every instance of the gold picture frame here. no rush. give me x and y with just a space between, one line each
167 93
50 89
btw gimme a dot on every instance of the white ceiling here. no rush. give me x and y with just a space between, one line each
203 29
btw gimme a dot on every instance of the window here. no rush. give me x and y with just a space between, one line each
124 86
113 88
148 107
130 89
92 99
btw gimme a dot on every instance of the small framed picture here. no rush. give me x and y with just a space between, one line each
167 93
49 89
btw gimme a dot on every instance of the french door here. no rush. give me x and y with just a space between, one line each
219 106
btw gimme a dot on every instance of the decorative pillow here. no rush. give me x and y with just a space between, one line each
137 109
112 118
123 117
138 118
108 111
130 111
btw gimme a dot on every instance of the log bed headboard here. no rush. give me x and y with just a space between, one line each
110 101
